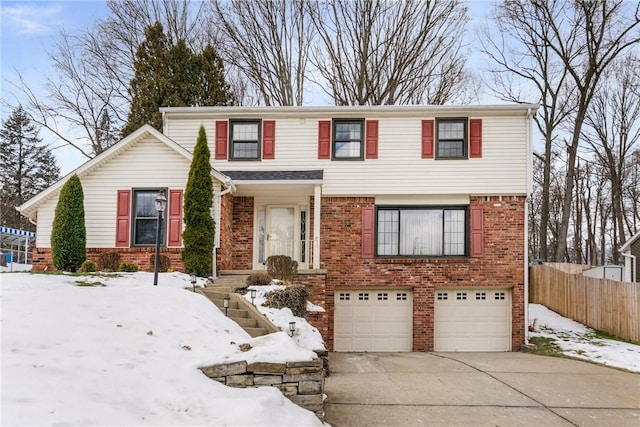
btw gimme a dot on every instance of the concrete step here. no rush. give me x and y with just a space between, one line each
256 332
246 322
236 313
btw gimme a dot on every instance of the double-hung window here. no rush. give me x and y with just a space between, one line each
145 217
244 139
348 139
451 139
421 231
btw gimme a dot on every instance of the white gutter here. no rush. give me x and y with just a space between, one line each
216 206
634 273
526 223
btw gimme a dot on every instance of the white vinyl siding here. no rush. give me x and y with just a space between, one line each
147 164
399 168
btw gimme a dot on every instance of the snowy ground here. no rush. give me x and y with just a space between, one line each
577 340
127 353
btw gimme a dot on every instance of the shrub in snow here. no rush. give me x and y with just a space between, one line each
258 279
128 267
88 267
69 235
164 263
282 267
109 261
294 297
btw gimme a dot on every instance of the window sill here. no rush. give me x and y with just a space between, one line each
429 260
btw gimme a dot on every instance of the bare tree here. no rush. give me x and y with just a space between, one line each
612 130
579 40
268 40
86 102
525 69
374 52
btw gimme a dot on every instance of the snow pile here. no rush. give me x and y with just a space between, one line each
14 266
577 340
306 336
92 350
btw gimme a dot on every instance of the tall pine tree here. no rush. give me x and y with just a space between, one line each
26 167
68 234
169 75
199 233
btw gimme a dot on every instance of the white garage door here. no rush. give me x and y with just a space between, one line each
472 320
373 320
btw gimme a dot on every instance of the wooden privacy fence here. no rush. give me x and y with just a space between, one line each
606 305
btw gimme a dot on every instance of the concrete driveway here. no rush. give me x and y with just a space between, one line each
477 389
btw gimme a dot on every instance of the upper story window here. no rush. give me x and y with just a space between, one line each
421 231
145 217
451 139
348 139
244 139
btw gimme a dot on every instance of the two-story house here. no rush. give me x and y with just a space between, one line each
408 222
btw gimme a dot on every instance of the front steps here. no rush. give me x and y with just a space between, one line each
240 310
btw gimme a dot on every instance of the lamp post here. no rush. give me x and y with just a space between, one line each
253 296
292 328
225 304
193 281
161 204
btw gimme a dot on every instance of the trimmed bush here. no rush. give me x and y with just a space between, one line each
108 261
88 267
128 267
68 234
282 267
199 231
164 263
259 279
294 297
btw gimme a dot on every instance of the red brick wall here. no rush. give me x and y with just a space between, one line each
223 258
501 266
143 257
242 246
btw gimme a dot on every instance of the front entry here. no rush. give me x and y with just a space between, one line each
280 233
282 230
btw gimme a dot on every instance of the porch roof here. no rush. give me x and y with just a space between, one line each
304 177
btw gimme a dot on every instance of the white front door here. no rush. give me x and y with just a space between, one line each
280 231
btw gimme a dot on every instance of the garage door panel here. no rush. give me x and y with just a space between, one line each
472 320
373 320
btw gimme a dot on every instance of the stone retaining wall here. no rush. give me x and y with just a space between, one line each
300 382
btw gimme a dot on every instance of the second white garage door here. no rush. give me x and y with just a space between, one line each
373 320
472 320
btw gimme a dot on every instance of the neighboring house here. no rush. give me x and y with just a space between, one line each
418 241
631 253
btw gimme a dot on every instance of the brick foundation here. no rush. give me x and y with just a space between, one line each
142 257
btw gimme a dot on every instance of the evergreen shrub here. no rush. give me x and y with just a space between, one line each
68 235
88 267
128 267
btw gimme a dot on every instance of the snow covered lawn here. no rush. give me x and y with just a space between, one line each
577 340
124 352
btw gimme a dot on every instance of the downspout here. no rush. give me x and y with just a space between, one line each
216 206
526 224
634 273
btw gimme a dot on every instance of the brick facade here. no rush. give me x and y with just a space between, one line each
502 265
223 255
144 258
242 247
